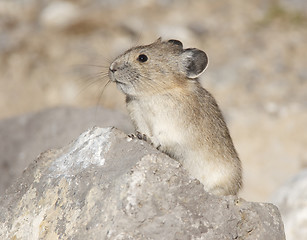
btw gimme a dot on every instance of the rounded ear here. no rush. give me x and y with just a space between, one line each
176 42
194 62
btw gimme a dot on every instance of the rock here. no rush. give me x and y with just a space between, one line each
292 202
105 185
60 14
294 5
24 137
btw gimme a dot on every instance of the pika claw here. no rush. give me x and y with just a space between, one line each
140 136
131 135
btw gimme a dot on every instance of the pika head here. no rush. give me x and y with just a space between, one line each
156 68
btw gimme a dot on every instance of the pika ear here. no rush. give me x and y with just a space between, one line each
176 42
194 62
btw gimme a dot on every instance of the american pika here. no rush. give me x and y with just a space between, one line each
167 103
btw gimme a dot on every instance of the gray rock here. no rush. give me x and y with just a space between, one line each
105 185
292 202
23 138
294 5
60 14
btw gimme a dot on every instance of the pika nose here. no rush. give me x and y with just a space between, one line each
113 67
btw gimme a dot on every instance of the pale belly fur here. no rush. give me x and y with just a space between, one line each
166 131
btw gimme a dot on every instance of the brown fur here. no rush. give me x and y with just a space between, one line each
167 103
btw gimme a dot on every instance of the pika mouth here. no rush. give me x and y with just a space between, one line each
119 82
113 78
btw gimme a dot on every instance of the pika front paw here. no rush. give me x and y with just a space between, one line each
140 136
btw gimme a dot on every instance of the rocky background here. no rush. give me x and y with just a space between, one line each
56 53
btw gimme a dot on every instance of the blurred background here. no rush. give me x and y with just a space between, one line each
54 57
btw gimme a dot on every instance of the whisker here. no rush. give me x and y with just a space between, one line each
93 65
87 86
91 79
95 76
100 96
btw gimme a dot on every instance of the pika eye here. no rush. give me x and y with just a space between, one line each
142 58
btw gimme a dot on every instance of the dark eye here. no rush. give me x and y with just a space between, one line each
142 58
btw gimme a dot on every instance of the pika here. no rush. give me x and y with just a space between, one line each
167 104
